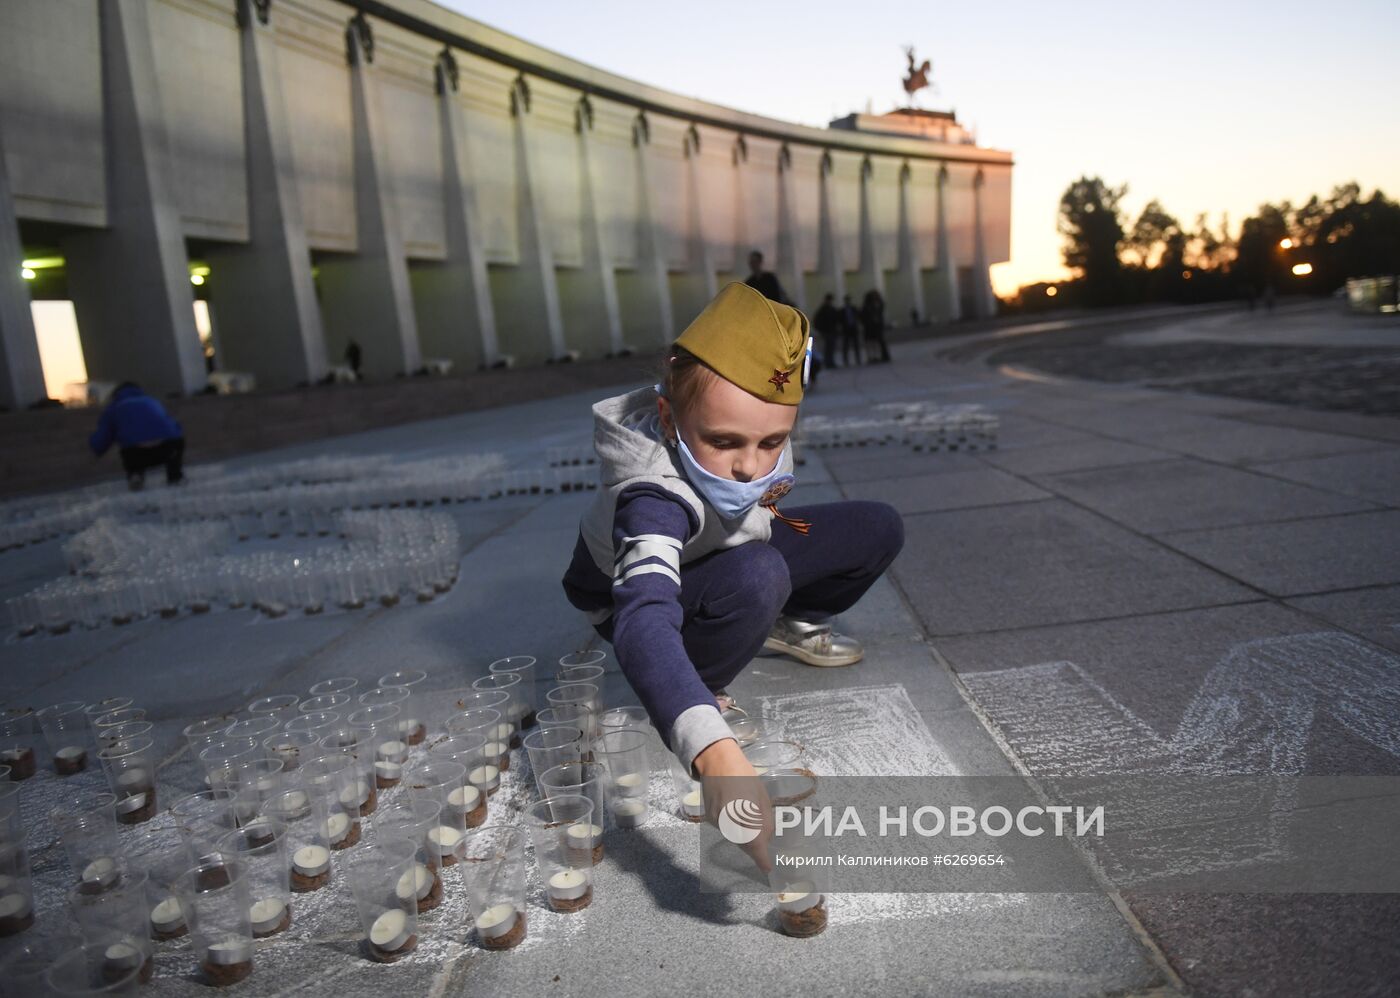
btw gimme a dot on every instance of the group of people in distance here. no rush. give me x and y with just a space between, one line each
836 326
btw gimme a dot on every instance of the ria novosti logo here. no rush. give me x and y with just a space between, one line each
740 821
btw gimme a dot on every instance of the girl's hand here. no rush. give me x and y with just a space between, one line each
726 774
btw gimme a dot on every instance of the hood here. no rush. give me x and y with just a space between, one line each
627 436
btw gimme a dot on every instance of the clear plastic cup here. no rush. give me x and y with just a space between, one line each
199 735
492 862
105 706
131 773
586 779
379 730
216 899
748 730
583 694
106 729
90 969
773 755
86 824
357 749
17 742
788 786
413 722
257 727
548 747
303 816
203 818
117 920
488 724
413 820
690 796
16 888
589 656
800 899
69 736
290 747
483 767
568 674
11 825
281 707
524 667
388 918
462 805
325 703
318 723
561 827
625 755
158 851
333 780
27 961
513 685
339 684
260 848
498 700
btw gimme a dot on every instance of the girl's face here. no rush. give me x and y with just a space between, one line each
731 433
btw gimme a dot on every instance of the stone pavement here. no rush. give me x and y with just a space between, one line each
1125 561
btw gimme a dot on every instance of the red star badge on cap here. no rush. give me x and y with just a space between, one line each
779 378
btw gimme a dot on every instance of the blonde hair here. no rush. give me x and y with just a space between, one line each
684 377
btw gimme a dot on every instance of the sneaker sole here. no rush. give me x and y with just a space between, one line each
808 658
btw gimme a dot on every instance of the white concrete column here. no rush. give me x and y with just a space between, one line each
828 236
739 156
651 262
597 277
530 320
21 373
130 281
984 297
947 303
459 320
789 267
908 248
261 292
366 294
872 274
700 256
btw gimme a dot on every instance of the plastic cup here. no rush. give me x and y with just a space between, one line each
101 968
290 747
215 896
131 774
413 821
625 754
462 805
524 667
334 703
561 827
568 674
517 707
257 727
487 724
26 962
413 722
11 827
388 918
589 656
281 707
260 848
69 736
354 744
117 919
86 824
800 899
201 734
379 731
483 769
16 888
157 850
107 728
583 694
492 862
338 684
333 780
303 817
689 794
586 779
17 742
552 746
105 706
768 755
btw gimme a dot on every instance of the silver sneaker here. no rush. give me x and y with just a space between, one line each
814 644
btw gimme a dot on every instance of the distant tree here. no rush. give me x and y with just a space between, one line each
1260 259
1154 235
1091 222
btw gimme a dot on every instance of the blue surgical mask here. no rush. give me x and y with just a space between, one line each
732 499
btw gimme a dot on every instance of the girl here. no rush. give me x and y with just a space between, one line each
684 562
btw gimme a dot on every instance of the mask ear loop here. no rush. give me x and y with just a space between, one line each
807 363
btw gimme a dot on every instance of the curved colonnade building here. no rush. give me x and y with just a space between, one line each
400 175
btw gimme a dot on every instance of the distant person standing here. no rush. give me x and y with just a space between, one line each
145 432
827 323
850 332
353 357
765 282
872 317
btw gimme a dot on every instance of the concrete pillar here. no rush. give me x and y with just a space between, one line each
366 294
828 238
871 273
526 296
590 292
909 275
947 304
789 265
260 292
701 258
456 316
130 282
650 284
984 298
739 156
21 373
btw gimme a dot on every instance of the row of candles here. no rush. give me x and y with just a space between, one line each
289 784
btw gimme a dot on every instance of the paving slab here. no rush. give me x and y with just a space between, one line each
1302 557
952 490
1374 475
1030 564
1372 613
1163 496
1054 458
1240 443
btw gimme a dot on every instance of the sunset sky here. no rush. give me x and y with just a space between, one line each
1207 106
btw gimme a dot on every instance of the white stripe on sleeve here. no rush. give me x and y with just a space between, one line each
648 569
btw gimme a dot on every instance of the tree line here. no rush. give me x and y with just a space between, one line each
1311 248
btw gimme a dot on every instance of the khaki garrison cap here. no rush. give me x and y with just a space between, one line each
756 343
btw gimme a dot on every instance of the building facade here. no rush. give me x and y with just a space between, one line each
396 174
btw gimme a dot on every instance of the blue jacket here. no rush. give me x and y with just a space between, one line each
132 418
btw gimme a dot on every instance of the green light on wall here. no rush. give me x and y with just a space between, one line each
27 273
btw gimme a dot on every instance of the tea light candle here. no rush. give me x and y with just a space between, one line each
496 920
336 827
167 916
266 914
392 751
386 770
568 885
502 732
409 725
14 905
516 711
463 800
693 804
312 861
629 784
122 956
584 836
132 780
389 931
295 800
355 794
416 883
70 754
259 831
629 812
487 778
444 839
229 952
100 873
799 897
493 750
